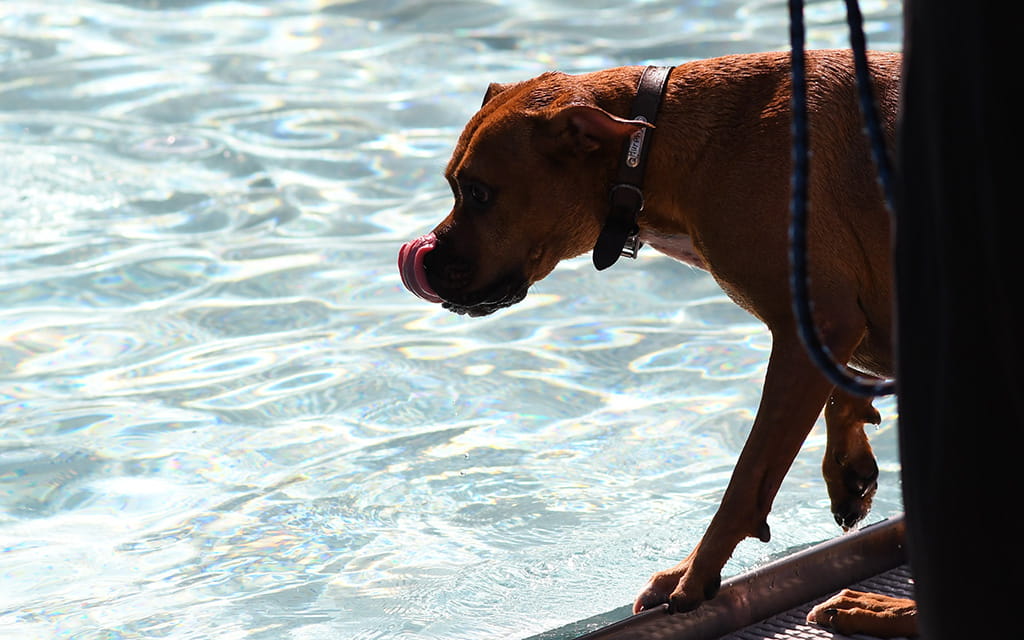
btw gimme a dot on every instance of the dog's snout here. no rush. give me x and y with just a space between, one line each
430 270
452 274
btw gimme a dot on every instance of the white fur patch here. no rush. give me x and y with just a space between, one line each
678 246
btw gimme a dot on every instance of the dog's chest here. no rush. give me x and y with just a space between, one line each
678 246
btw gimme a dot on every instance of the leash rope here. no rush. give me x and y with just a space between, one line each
837 373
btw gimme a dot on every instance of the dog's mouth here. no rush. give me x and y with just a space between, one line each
506 295
413 267
410 265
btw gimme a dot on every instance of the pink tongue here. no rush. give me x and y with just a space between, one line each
410 265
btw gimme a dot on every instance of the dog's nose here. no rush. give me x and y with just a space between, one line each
410 266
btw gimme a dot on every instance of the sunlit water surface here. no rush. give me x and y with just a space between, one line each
220 414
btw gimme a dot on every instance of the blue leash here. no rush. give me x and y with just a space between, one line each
838 374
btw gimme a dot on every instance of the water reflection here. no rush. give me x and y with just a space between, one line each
220 412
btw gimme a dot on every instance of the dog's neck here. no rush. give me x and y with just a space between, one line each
683 185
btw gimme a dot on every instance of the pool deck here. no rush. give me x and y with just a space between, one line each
772 601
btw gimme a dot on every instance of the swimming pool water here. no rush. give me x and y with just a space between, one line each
220 413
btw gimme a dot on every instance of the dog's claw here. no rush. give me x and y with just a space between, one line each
654 595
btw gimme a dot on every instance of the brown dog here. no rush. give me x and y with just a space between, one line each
531 176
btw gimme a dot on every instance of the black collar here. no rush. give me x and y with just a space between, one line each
620 234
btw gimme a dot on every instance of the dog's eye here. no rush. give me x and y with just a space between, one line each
477 194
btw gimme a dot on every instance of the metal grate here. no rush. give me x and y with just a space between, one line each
792 624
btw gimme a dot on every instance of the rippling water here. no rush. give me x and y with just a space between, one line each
220 414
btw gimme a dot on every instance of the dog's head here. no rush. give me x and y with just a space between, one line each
531 175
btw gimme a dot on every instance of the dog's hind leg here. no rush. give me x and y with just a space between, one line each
849 467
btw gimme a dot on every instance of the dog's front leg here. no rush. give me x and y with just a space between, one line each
794 394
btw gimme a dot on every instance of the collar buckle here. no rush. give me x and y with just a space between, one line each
632 246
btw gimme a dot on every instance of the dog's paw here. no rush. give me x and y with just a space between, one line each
849 466
655 593
851 612
852 488
672 588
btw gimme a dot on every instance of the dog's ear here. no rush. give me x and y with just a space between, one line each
583 128
494 89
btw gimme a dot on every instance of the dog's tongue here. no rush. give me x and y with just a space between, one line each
410 265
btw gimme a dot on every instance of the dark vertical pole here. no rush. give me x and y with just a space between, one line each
959 283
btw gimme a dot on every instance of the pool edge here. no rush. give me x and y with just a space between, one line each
774 588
